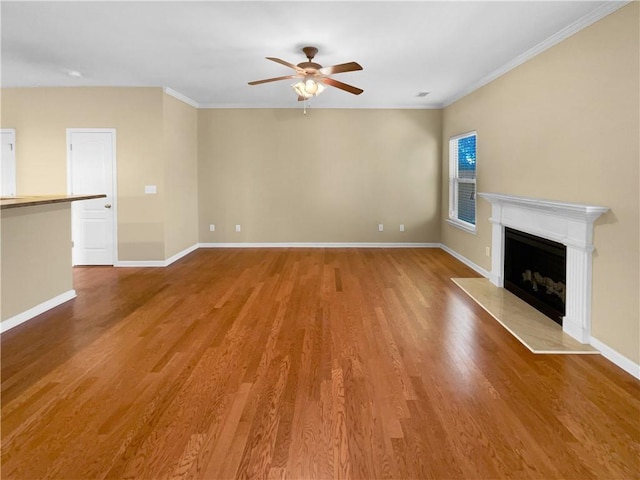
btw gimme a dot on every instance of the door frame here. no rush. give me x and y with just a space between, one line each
12 132
114 186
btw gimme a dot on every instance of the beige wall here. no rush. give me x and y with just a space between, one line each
35 256
565 126
41 117
156 138
328 176
180 137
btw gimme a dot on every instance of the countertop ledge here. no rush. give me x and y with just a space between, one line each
30 201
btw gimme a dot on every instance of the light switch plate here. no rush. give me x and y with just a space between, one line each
150 189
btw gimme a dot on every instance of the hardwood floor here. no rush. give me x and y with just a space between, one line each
301 363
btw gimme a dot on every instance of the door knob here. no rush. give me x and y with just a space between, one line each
107 205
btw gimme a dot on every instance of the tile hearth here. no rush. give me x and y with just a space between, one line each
533 329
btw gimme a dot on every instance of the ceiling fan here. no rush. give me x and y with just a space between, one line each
314 76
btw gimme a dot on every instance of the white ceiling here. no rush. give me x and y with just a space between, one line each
208 51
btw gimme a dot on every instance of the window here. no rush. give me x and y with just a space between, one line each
462 181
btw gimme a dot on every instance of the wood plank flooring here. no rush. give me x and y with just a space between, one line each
300 364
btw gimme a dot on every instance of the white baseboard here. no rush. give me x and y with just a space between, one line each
319 245
466 261
157 263
140 263
181 254
16 320
177 256
617 358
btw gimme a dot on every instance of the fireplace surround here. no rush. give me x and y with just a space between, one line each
569 224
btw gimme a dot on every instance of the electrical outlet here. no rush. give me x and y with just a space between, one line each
212 228
380 227
237 228
487 251
402 227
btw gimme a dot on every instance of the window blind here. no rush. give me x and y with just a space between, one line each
462 157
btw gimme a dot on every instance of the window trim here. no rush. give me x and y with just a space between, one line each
454 180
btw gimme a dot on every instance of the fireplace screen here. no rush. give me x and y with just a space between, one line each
535 270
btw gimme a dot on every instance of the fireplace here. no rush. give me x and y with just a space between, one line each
535 270
568 224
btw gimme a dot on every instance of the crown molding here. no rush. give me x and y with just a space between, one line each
183 98
583 22
221 106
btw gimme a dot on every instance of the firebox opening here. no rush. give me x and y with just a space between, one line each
535 269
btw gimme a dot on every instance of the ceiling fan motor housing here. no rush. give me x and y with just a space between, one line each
310 66
310 52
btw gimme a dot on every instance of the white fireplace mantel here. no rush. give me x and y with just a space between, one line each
568 223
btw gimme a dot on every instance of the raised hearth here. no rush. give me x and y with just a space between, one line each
569 224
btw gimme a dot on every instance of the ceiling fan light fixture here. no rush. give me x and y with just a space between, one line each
300 90
309 88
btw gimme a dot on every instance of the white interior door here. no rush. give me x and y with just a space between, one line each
8 163
91 171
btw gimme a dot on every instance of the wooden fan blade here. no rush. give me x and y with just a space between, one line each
275 79
341 86
343 67
286 64
301 98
